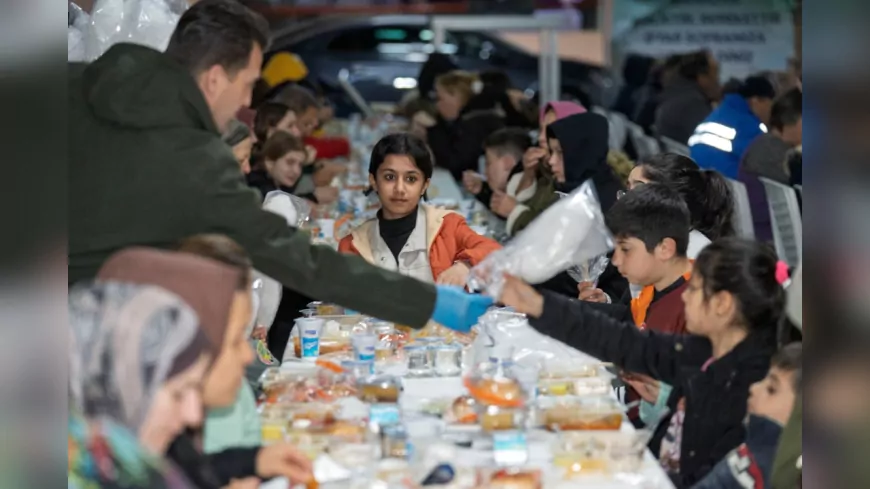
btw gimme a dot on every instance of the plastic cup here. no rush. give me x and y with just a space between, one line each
309 331
364 346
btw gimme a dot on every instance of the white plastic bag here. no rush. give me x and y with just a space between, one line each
296 210
567 234
146 22
77 25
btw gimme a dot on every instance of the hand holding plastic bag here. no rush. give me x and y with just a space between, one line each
589 270
567 234
296 210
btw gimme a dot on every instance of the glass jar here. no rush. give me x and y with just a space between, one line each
448 360
417 357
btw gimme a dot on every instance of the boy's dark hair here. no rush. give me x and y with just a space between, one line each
268 116
402 143
279 144
222 249
298 99
217 32
694 64
747 270
757 87
706 192
787 109
509 140
790 359
651 213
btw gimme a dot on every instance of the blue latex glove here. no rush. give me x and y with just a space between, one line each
457 309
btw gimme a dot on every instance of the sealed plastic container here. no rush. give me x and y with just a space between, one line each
379 389
581 413
418 360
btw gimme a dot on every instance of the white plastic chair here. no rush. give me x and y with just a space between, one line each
617 132
742 209
672 146
785 218
645 146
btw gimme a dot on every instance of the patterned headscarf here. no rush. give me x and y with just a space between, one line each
126 341
205 285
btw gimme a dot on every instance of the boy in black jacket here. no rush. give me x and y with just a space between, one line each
651 226
771 401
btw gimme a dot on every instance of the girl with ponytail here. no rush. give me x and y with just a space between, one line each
732 305
706 193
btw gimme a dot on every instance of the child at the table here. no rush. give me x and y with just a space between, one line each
770 405
651 227
733 303
414 239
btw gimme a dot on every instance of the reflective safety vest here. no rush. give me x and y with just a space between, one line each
721 139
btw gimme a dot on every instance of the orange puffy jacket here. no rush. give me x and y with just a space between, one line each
449 239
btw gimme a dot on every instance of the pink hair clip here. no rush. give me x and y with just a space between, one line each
781 272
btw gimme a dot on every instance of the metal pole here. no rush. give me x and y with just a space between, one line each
555 65
543 71
438 36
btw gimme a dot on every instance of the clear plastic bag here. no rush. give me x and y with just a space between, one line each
567 234
296 210
146 22
503 331
589 270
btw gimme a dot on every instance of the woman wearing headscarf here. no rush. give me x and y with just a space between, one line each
137 360
221 295
534 183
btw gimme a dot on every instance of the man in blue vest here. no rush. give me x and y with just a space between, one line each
721 139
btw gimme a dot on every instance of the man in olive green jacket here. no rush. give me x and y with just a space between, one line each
148 167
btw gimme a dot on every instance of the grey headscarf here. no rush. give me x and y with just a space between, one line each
126 341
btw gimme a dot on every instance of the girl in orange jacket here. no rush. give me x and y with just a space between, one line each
420 241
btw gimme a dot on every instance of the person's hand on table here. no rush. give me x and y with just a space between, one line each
326 195
646 386
456 275
588 292
502 204
458 310
522 297
284 460
472 181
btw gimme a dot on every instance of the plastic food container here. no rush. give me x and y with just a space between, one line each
570 371
509 478
379 389
581 452
581 413
494 384
325 309
498 418
463 410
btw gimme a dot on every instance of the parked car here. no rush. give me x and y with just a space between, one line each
384 54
